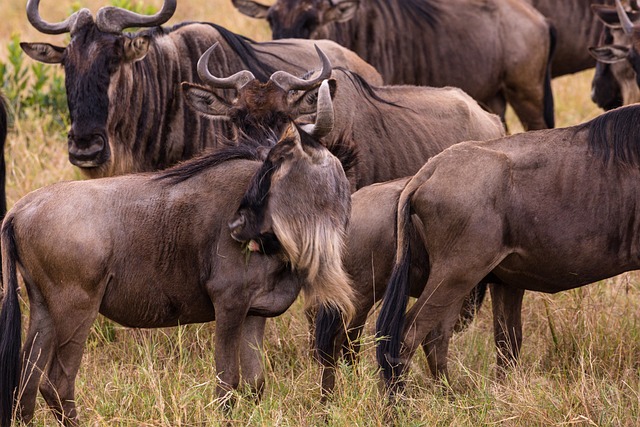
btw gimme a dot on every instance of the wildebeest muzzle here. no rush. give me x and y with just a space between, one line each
89 151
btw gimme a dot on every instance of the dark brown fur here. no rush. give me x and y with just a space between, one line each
493 50
144 70
393 130
154 250
543 211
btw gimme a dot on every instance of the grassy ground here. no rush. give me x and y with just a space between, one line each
580 359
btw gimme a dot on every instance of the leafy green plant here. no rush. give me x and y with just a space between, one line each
36 86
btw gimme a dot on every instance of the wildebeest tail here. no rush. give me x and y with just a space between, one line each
10 327
390 323
549 115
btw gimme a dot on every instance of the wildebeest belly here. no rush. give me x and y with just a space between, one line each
556 272
150 306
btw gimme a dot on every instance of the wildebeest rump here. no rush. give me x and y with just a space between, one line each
106 69
392 129
544 211
154 250
492 49
618 64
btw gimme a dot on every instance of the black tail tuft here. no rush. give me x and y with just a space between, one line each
390 324
10 327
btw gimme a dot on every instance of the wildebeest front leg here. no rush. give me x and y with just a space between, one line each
250 354
229 323
507 325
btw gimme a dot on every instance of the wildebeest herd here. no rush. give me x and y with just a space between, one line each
241 173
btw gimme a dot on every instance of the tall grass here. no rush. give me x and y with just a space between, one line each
585 373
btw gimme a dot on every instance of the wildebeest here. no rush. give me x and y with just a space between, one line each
493 50
392 129
543 211
155 250
618 67
368 258
106 68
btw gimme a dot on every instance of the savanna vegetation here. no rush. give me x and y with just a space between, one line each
580 362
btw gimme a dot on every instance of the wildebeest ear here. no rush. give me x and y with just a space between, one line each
610 54
136 48
205 101
251 8
341 10
44 52
306 102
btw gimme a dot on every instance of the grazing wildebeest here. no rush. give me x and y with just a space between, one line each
577 29
155 250
618 57
393 129
106 68
492 49
392 139
543 211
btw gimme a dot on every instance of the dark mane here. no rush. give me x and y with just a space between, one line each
244 47
190 168
616 135
363 87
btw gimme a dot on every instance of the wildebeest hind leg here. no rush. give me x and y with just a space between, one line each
250 354
72 325
436 344
507 325
35 355
434 314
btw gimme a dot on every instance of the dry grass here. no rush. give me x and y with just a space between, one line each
584 373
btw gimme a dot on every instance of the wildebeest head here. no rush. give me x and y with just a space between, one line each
299 203
299 18
96 50
619 57
259 109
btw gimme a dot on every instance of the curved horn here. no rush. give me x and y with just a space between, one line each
112 19
324 114
46 27
235 81
290 82
626 23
